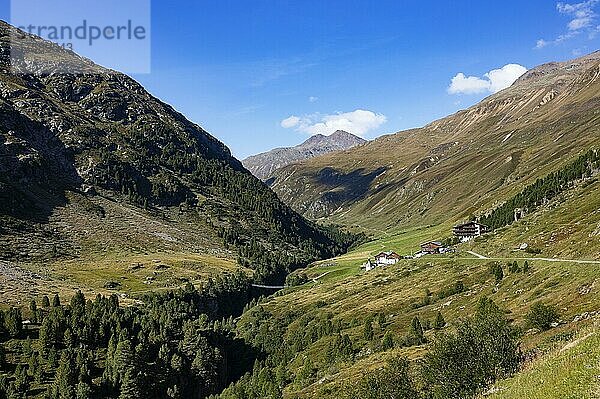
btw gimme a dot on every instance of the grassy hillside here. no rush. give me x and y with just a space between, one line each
569 371
413 288
339 294
465 164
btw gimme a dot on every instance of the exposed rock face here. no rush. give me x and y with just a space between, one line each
83 156
264 165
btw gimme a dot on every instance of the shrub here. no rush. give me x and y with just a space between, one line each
394 381
542 316
457 288
296 279
483 350
368 330
531 250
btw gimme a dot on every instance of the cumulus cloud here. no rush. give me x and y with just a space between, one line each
313 99
491 82
358 122
290 122
468 84
582 18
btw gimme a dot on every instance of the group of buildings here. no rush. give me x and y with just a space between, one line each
463 232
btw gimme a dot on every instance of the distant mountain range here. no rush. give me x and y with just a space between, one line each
265 164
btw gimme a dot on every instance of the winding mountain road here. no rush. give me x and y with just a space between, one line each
479 256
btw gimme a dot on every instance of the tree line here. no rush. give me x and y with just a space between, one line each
178 344
544 190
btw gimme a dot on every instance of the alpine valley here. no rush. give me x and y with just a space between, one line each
140 259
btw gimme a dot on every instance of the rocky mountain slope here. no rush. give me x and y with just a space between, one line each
264 165
92 163
460 165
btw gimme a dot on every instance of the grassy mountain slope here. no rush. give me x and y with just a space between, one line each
569 371
413 186
464 164
93 165
409 289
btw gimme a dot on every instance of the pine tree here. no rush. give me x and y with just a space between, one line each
439 321
499 274
45 301
13 322
131 385
416 331
65 379
2 357
388 341
33 310
56 301
381 320
83 391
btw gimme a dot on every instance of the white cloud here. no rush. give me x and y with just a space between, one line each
491 82
313 99
581 19
582 14
290 122
504 77
468 84
358 122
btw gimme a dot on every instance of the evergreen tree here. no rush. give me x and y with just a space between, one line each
45 301
33 310
56 301
439 321
499 274
13 322
381 320
388 341
131 385
416 331
66 378
84 391
2 357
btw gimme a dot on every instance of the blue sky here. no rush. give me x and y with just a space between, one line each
240 68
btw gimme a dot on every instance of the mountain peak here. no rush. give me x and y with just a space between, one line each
263 165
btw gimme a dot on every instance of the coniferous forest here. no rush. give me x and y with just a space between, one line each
177 344
544 190
188 344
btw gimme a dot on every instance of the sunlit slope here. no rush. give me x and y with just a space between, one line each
460 165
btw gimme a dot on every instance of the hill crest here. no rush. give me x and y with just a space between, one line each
265 164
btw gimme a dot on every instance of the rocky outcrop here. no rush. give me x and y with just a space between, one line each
89 160
264 165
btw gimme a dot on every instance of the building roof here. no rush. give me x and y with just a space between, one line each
437 243
472 223
387 254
